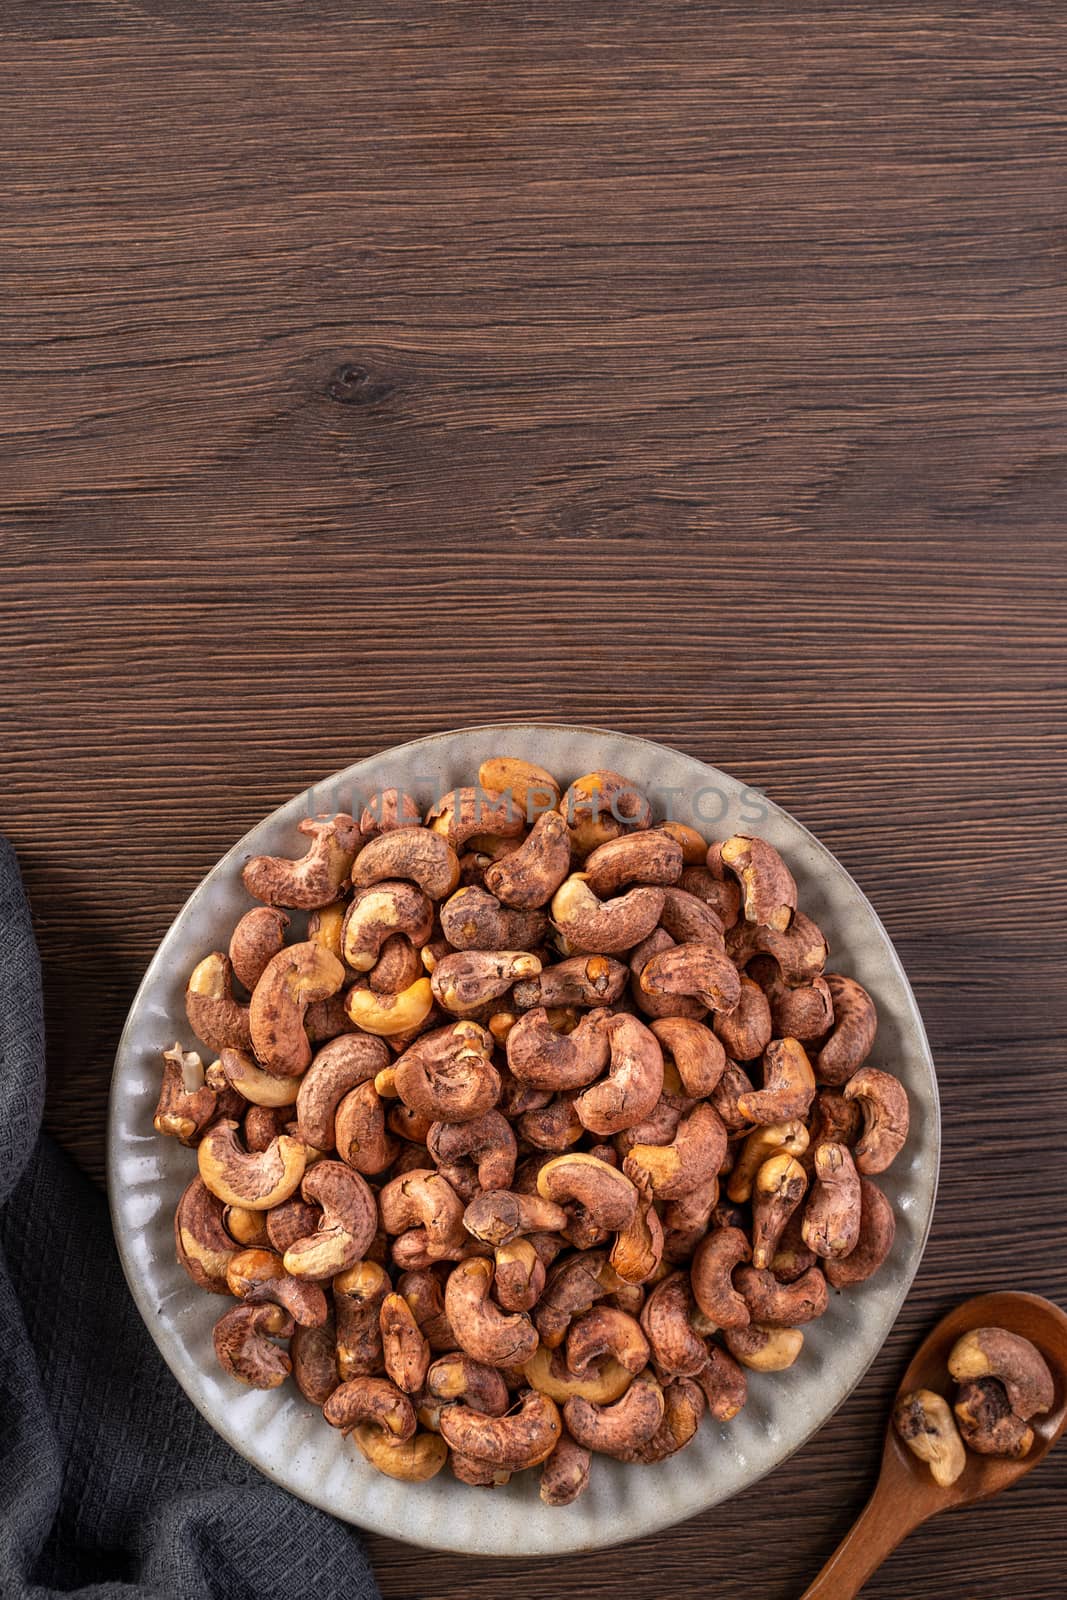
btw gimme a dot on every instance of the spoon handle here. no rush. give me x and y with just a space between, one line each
885 1521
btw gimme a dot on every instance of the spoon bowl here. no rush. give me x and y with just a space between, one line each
906 1493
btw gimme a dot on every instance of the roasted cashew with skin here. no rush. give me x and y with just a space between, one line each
314 880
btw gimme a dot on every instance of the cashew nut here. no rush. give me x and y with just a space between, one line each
391 1015
788 1085
832 1216
770 892
639 1244
761 1144
189 1101
695 1051
703 971
348 1225
377 913
884 1103
357 1298
489 1335
257 1275
1015 1361
925 1423
387 809
243 1345
606 1331
854 1023
779 1304
649 857
607 1195
520 1440
716 1256
466 812
528 877
416 854
600 806
473 919
464 981
405 1348
499 1216
565 1474
251 1083
620 1426
683 1407
254 1181
724 1384
577 981
745 1032
604 927
216 1018
336 1069
258 936
313 1352
294 978
805 1012
692 1158
988 1423
677 1349
448 1074
546 1059
203 1246
531 788
776 1194
877 1230
482 1151
800 952
764 1349
634 1081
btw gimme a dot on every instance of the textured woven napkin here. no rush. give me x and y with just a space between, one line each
111 1484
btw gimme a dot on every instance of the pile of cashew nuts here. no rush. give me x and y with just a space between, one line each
1003 1382
544 1130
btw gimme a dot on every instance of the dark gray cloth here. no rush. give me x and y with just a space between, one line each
111 1484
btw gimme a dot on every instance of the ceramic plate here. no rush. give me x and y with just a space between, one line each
284 1436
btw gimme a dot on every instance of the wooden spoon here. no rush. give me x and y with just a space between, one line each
906 1494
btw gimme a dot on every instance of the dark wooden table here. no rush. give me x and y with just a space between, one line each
694 370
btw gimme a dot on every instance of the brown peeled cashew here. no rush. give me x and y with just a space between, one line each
258 936
577 981
486 1148
313 1352
448 1074
500 1216
606 1331
884 1103
465 981
533 790
718 890
294 1219
734 1083
314 880
692 1159
777 1192
800 952
457 1377
832 1215
855 1022
387 809
688 919
711 1275
987 1422
634 1082
473 919
202 1244
701 971
488 1334
555 1126
597 927
745 1032
783 1305
424 1292
578 1178
697 1054
544 1058
188 1099
761 1144
877 1231
467 812
683 1407
376 914
519 1275
639 1245
374 1401
677 1349
516 1441
622 1426
770 892
1013 1360
217 1019
423 1199
415 854
574 1285
805 1012
686 1221
348 1225
294 978
764 1349
649 857
788 1085
360 1132
925 1423
243 1340
251 1084
258 1276
724 1384
528 877
565 1474
357 1299
240 1178
398 966
405 1348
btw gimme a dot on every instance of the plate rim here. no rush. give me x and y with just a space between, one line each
161 1335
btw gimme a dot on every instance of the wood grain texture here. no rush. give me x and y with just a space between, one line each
694 370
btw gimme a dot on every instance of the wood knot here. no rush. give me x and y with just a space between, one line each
352 385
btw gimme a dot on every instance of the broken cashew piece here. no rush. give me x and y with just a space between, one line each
926 1425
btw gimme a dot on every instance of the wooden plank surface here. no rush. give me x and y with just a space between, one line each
693 370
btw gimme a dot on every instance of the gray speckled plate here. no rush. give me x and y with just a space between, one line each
284 1436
